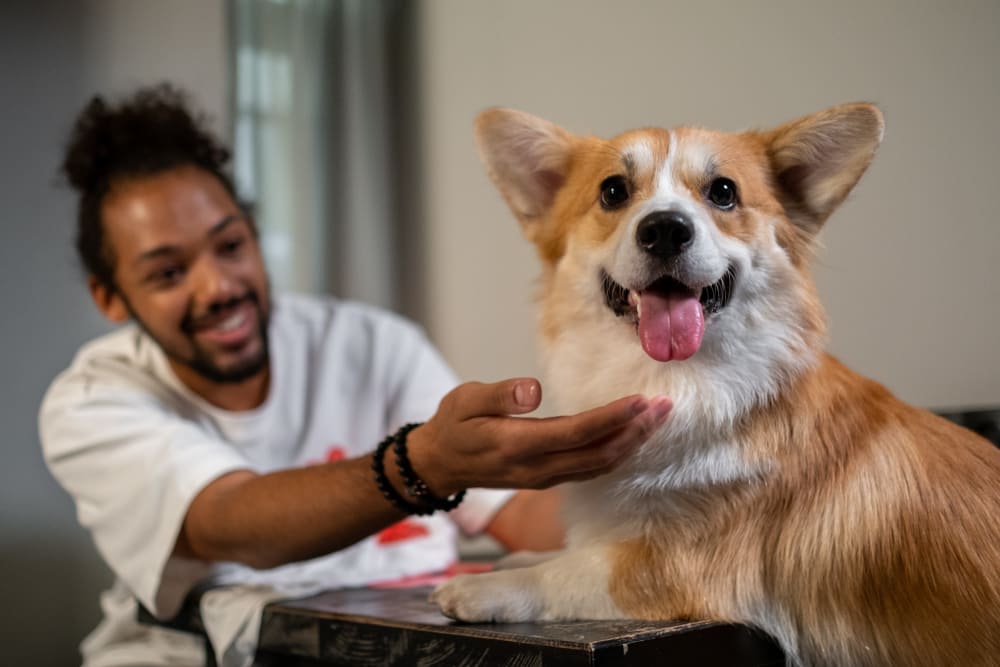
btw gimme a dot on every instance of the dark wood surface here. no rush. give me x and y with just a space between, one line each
396 627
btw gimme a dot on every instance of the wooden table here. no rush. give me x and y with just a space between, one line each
396 627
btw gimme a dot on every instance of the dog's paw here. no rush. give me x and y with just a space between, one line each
495 597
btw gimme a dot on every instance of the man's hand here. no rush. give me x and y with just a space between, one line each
474 441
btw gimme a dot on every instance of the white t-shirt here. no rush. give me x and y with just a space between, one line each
133 446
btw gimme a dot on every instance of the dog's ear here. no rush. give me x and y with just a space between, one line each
818 159
527 158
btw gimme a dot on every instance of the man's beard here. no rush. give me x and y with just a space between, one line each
201 362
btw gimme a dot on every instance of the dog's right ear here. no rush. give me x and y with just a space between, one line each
527 158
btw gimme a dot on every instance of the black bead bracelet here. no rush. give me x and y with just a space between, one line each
383 484
415 486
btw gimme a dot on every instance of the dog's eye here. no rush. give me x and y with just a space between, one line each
722 193
614 192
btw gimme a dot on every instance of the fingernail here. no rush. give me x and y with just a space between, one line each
525 394
662 407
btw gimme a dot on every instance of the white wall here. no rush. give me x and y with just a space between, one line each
908 270
55 54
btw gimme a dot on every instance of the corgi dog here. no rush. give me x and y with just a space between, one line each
785 491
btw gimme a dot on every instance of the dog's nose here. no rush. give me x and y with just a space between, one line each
665 234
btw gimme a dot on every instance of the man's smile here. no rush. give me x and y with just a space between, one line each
231 328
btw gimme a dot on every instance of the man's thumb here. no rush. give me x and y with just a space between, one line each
509 397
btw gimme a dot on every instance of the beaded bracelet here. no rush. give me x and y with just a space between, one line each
383 484
415 486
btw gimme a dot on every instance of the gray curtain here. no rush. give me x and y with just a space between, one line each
319 93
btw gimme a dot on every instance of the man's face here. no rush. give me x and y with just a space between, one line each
187 267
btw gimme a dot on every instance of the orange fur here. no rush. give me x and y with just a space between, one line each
878 537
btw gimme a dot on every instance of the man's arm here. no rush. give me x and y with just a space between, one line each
472 441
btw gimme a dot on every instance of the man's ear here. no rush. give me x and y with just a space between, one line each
108 301
527 158
818 159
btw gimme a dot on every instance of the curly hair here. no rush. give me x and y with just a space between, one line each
152 131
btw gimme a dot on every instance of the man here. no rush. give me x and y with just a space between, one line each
226 436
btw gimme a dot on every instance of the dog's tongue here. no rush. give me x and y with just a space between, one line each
670 325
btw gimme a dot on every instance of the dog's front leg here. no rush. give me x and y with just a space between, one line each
571 586
527 559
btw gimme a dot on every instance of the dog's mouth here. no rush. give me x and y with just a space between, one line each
669 316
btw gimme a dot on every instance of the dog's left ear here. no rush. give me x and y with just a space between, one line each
527 158
818 159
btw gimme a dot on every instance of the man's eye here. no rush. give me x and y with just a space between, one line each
166 276
231 247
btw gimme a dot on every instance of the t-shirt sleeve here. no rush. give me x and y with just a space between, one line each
132 468
419 379
478 508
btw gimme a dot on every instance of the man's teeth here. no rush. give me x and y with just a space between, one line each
231 322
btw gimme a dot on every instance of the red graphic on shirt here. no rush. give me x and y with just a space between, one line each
333 453
402 531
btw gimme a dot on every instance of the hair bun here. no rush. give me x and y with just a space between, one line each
151 131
